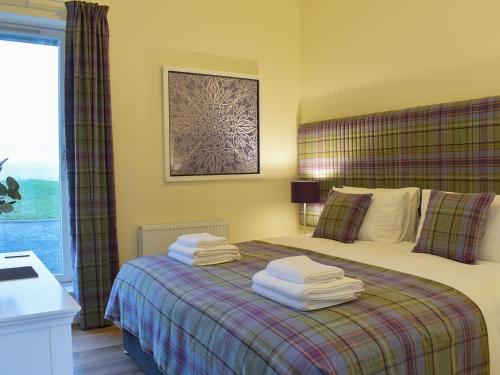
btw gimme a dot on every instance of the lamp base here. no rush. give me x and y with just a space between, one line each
304 220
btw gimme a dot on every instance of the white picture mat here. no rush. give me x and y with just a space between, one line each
166 126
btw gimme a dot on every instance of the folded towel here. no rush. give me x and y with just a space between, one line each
201 262
330 290
301 305
205 240
303 270
196 252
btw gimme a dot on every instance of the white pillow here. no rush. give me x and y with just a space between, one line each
423 209
489 248
412 208
386 218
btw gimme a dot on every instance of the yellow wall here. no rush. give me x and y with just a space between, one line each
347 57
255 36
367 56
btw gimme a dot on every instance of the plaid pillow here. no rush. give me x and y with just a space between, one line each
454 225
342 216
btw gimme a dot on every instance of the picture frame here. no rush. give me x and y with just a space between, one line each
211 125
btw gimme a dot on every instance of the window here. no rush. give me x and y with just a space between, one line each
31 137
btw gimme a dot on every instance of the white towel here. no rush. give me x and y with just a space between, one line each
196 252
201 262
303 270
331 290
205 240
298 304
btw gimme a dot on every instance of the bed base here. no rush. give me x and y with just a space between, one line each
142 358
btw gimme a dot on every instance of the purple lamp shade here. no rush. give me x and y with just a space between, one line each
305 191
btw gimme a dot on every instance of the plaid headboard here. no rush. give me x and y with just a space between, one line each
450 147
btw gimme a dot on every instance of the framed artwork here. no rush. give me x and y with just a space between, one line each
211 125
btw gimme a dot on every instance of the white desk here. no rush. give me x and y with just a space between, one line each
35 322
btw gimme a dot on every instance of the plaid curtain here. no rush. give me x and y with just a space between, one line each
89 159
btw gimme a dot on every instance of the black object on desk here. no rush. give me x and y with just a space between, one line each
15 273
16 256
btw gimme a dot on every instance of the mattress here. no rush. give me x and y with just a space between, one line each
207 320
480 282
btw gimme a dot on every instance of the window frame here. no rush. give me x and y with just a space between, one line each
54 29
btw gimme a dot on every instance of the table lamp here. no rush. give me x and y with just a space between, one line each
305 192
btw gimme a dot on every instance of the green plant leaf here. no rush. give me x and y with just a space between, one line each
14 194
6 207
2 162
3 189
12 184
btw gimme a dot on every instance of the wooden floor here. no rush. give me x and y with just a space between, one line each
100 352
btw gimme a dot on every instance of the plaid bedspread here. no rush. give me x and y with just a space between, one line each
206 320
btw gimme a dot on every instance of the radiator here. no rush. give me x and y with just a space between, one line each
155 239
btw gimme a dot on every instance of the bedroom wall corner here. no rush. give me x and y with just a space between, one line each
359 57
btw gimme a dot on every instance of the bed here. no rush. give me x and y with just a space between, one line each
422 318
419 313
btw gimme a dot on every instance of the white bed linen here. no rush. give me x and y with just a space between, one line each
479 282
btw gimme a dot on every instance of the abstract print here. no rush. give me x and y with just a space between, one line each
213 124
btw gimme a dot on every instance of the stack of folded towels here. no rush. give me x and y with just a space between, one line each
203 249
304 284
